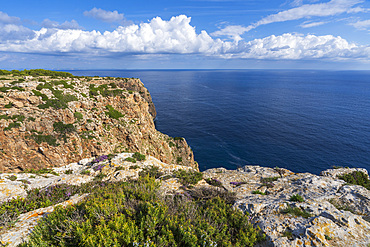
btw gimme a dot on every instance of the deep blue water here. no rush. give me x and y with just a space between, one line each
306 121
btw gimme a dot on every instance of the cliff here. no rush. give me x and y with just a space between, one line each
48 121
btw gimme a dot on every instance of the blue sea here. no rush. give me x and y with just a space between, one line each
305 121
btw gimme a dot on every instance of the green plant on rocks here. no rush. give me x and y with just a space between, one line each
113 113
295 211
134 214
357 178
188 177
296 198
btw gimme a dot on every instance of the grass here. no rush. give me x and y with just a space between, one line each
151 171
78 115
268 182
130 159
134 214
138 156
296 198
357 178
296 211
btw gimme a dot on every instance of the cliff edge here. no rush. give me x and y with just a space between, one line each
48 121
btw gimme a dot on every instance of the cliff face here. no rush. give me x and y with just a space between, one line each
48 122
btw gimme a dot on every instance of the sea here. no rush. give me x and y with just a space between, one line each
302 120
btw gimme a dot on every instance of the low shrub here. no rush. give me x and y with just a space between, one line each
130 159
69 171
296 198
85 172
12 178
356 177
133 214
41 171
268 182
78 115
138 156
214 182
188 177
12 125
113 113
151 171
49 139
258 192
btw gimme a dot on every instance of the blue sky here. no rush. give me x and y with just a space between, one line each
185 34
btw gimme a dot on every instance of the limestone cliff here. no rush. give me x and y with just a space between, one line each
46 122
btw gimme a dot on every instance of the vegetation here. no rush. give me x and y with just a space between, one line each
12 178
356 177
134 214
138 156
41 171
113 113
9 105
296 211
258 192
214 182
341 206
63 129
35 72
268 182
104 90
188 177
78 115
288 234
85 172
43 96
12 125
49 139
151 171
296 198
130 159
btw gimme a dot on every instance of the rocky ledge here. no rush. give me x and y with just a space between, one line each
292 209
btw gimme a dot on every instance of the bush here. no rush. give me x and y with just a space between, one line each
133 214
63 129
356 177
151 171
258 192
12 178
130 159
41 171
138 156
188 177
10 105
214 182
112 113
12 125
296 198
49 139
78 115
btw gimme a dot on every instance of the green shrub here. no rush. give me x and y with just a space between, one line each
132 214
188 177
85 172
78 115
296 211
151 171
63 129
296 198
12 125
43 96
12 178
268 182
258 192
49 139
356 177
179 159
288 234
134 167
41 171
138 156
70 171
177 138
112 113
130 159
214 182
10 105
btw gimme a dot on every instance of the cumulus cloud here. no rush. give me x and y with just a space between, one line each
65 25
177 36
6 19
104 15
15 33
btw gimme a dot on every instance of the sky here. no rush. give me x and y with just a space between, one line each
185 34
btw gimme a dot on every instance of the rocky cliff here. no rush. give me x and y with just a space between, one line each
49 121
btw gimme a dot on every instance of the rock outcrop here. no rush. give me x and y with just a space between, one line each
46 122
330 212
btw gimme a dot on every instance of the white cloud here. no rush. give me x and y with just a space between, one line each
232 32
294 46
15 33
177 36
65 25
334 7
363 25
312 24
104 15
6 19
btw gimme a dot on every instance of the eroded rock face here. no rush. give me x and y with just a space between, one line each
29 139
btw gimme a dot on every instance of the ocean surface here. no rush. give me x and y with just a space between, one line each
305 121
